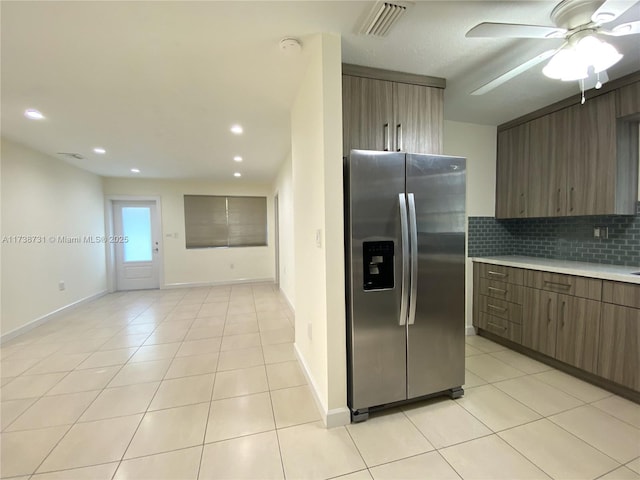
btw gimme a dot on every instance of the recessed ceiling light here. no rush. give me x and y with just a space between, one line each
135 170
237 174
237 129
33 114
100 150
237 158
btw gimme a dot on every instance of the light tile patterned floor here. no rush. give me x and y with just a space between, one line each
203 383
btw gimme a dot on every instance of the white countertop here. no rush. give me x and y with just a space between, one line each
582 269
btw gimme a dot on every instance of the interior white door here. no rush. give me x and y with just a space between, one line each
137 248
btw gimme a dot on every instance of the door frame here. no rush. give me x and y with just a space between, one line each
109 229
276 221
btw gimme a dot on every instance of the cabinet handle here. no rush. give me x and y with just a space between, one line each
571 199
386 138
495 325
522 203
497 274
556 284
558 201
549 311
495 307
399 137
564 304
501 290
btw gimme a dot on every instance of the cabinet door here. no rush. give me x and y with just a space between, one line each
547 176
578 331
619 354
419 118
540 320
629 100
592 168
512 172
367 114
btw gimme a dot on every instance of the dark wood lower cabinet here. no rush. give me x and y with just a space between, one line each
539 323
578 331
591 328
619 355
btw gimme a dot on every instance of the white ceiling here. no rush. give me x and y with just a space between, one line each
158 84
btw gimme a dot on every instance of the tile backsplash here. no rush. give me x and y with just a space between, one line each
564 238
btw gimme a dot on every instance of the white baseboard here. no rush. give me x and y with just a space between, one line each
289 304
470 330
216 284
49 316
331 418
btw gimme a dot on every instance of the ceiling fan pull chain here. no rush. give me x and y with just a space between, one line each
582 90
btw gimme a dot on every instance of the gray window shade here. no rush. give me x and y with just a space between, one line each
247 221
217 221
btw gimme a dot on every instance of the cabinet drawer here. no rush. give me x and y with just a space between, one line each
499 326
501 308
501 290
566 284
625 294
502 274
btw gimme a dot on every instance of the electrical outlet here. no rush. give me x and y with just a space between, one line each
319 238
61 285
232 266
601 232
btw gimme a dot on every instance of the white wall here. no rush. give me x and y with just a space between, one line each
478 144
283 187
46 197
207 265
316 150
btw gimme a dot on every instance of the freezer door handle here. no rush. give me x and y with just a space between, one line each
404 227
413 228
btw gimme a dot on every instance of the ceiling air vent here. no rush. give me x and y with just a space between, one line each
382 17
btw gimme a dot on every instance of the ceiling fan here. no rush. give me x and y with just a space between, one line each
580 23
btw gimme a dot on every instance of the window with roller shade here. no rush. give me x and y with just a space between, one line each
220 221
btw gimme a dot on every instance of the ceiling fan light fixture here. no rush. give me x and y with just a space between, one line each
601 55
574 62
566 65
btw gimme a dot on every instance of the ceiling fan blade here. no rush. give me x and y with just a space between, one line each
513 30
610 10
623 29
496 82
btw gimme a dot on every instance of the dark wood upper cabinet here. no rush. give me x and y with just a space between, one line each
512 173
385 115
367 113
575 161
419 118
629 100
592 173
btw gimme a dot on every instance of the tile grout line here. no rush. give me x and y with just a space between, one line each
213 388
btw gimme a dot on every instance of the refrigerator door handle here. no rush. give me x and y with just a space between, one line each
413 229
404 227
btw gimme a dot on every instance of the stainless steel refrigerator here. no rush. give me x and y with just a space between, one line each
405 254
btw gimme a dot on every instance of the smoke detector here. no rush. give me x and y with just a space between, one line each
290 46
382 17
